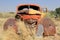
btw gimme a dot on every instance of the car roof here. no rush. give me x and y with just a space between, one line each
28 5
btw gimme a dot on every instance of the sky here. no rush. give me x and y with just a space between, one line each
10 5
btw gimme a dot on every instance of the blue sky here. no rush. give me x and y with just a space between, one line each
10 5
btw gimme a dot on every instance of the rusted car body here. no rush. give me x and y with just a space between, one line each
29 12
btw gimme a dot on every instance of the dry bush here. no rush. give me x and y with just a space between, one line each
7 14
1 15
24 33
10 34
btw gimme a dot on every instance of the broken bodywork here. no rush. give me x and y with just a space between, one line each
31 16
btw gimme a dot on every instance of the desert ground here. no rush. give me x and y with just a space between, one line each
13 36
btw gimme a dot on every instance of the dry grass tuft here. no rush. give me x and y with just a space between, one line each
10 34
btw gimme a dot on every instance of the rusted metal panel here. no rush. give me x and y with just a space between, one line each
10 23
49 26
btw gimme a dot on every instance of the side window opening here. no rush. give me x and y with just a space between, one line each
34 7
22 7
